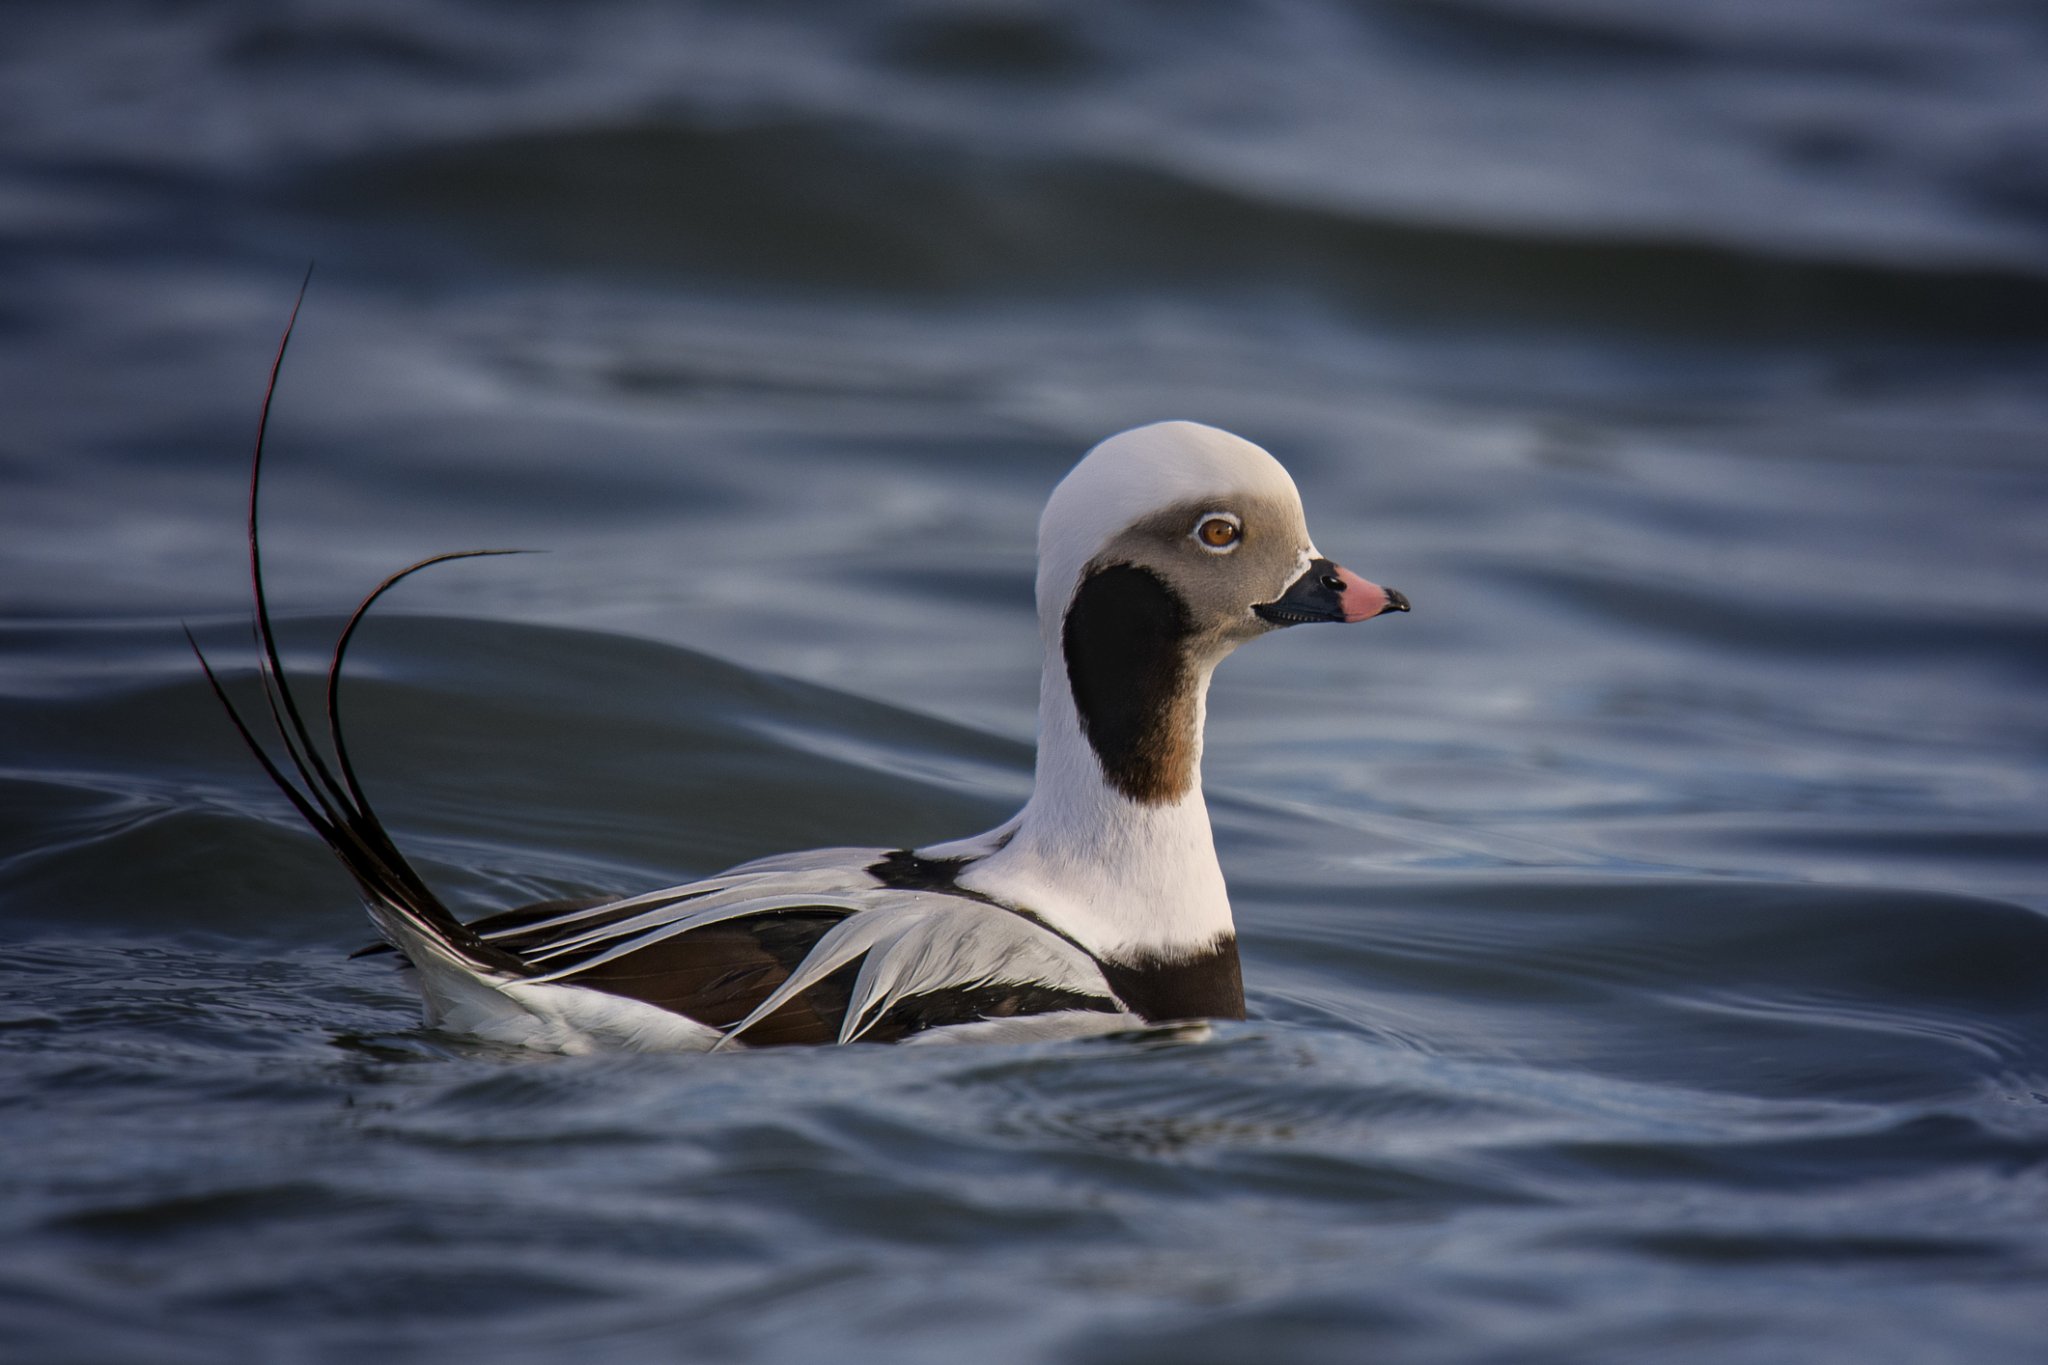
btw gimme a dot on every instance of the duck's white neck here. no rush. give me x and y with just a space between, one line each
1128 880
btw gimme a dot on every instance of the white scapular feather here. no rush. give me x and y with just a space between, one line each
708 915
692 905
926 942
953 948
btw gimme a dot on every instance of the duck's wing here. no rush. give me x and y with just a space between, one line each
812 948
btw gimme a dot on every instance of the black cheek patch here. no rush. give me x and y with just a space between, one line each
1125 641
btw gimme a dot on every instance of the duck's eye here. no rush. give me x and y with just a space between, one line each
1218 531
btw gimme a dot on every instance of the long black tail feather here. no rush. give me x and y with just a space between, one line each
336 808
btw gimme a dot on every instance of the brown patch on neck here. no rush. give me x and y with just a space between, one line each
1166 766
1125 640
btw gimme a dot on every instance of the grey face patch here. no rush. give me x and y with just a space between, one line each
1219 590
1151 612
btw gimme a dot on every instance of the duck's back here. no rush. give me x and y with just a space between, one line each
830 945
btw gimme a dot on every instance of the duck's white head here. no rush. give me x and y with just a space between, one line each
1164 549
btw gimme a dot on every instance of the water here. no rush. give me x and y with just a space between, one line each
1645 939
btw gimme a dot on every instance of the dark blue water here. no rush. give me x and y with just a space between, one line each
1647 940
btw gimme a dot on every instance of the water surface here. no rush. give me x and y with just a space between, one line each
1645 939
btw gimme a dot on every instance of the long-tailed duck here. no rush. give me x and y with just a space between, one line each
1099 906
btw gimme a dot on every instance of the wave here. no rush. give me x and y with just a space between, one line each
807 203
516 760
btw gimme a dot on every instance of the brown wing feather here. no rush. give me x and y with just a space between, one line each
720 974
717 975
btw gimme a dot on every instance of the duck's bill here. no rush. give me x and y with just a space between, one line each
1330 592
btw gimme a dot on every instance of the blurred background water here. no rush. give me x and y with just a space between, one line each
1645 938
